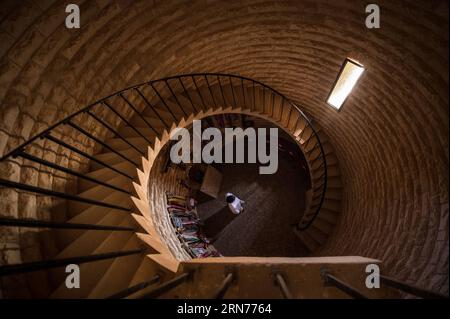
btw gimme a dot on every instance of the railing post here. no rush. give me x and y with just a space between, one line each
198 91
210 91
413 290
34 223
138 287
273 106
226 283
109 106
232 92
167 286
343 286
95 117
68 171
163 101
152 107
280 282
175 97
187 93
221 91
84 154
243 92
92 137
49 192
254 96
137 112
53 263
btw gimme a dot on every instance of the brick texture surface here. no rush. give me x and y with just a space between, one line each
391 136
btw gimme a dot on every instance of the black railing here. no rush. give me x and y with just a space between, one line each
155 95
100 125
153 99
54 263
281 283
226 283
410 289
331 280
34 223
167 286
385 281
136 288
279 280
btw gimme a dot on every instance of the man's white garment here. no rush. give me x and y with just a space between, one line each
236 205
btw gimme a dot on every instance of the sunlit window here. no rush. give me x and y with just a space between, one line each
346 80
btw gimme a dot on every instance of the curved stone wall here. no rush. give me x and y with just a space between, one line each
391 137
160 184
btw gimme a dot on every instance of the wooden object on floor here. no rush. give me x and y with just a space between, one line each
211 182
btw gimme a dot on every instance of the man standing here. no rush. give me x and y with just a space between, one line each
235 204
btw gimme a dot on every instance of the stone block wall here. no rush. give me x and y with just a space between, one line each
160 184
391 136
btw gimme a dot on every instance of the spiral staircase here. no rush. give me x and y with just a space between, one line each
113 223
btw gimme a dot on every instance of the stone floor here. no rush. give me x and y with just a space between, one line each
272 204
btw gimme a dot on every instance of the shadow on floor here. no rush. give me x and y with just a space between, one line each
215 223
273 203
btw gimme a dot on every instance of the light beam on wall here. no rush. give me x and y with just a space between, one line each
346 80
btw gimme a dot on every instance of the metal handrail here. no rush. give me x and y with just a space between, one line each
14 269
307 219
